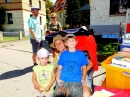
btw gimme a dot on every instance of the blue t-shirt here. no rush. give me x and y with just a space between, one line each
71 63
33 23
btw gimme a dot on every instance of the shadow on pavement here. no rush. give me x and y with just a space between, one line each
15 73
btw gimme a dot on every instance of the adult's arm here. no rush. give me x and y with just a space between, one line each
33 34
90 65
31 29
58 75
60 26
84 72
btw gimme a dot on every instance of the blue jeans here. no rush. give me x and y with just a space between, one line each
75 90
89 78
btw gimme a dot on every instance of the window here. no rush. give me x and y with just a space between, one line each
118 6
8 1
40 20
40 4
10 18
30 2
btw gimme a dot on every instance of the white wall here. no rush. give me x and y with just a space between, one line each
99 14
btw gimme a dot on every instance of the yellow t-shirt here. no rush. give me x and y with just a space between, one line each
55 60
43 74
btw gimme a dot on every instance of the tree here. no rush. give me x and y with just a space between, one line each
49 5
73 16
83 2
85 20
2 17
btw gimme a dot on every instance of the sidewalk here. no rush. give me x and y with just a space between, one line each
16 70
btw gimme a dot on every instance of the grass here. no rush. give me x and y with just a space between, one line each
13 38
106 46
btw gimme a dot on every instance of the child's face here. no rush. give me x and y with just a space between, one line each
71 42
43 61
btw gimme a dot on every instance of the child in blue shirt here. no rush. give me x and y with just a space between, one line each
71 70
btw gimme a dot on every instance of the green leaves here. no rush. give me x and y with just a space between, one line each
73 16
106 46
49 5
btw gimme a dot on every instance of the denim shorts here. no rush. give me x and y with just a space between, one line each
75 90
89 78
35 45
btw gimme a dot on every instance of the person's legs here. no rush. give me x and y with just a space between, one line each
49 95
34 58
62 93
89 79
86 91
67 92
35 47
75 90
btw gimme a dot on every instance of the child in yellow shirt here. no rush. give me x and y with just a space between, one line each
43 75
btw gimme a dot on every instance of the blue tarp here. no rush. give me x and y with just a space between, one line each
75 31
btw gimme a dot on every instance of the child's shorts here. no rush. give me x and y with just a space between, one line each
75 90
48 94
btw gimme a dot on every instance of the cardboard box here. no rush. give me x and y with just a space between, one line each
125 47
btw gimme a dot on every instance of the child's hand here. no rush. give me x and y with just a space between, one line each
84 83
40 89
47 88
59 81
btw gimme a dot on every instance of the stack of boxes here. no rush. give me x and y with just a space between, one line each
125 46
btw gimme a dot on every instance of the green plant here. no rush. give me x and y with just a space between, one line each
106 46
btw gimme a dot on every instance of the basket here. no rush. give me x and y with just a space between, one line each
116 77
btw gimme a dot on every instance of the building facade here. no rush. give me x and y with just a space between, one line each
18 13
106 16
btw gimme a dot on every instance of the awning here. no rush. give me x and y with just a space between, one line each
85 7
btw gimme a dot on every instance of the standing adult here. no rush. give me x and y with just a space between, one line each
35 32
59 45
54 26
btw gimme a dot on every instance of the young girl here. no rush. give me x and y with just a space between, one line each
43 75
